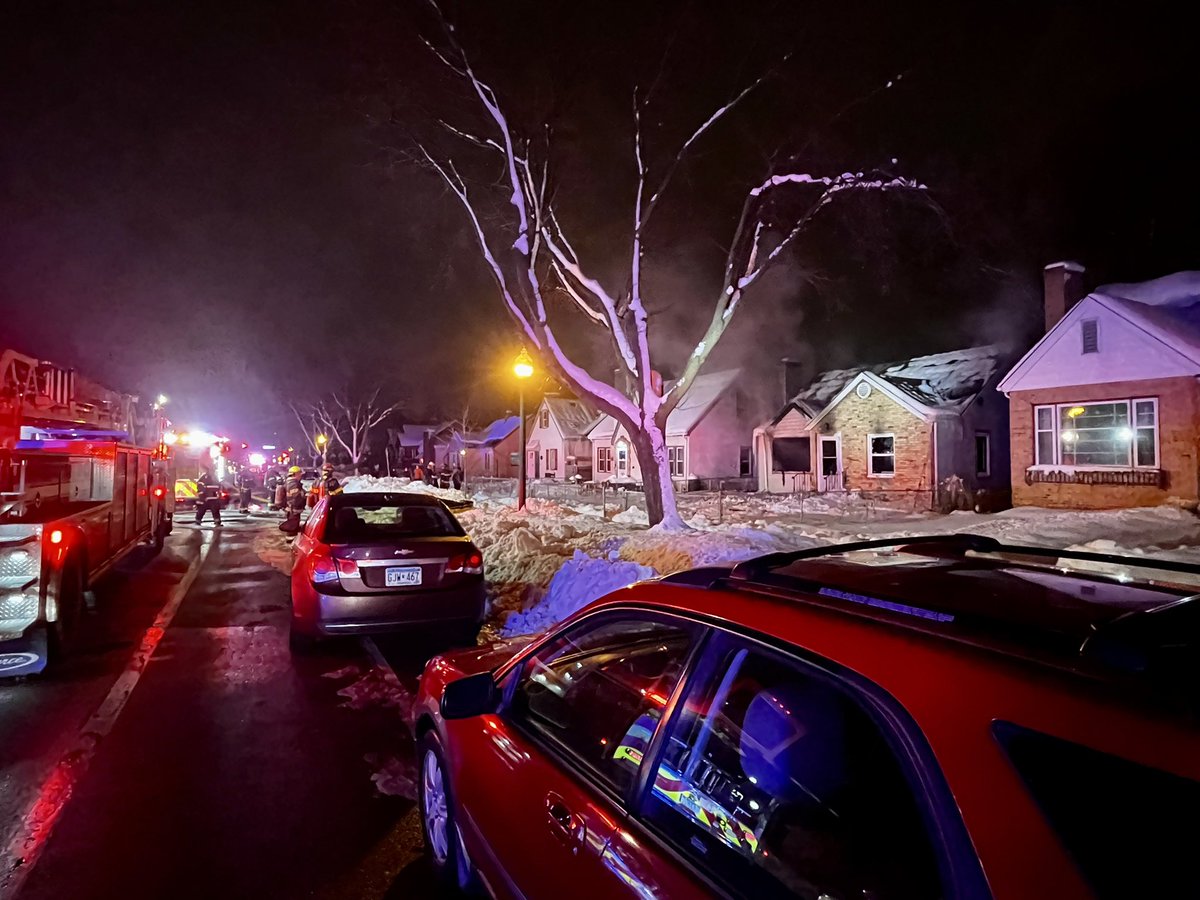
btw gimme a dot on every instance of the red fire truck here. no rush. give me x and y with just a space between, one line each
83 481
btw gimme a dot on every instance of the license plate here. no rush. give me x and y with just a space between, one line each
403 576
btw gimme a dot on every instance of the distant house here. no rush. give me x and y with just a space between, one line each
494 452
410 444
1105 409
707 437
448 444
925 425
558 446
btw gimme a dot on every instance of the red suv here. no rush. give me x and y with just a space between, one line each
925 718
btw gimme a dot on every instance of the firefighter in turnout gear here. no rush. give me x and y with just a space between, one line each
325 486
208 497
294 494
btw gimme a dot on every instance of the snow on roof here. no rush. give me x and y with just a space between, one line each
940 382
705 391
1167 308
574 417
414 435
1179 289
496 432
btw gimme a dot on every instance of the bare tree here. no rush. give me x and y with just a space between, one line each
350 424
531 258
310 428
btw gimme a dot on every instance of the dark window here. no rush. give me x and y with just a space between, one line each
1132 829
1091 335
514 459
551 460
744 462
357 523
776 783
544 419
791 454
983 454
599 690
882 454
604 459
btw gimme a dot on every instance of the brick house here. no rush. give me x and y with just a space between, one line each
1105 408
707 437
495 451
557 445
928 426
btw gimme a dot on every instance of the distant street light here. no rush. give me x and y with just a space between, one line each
321 442
523 369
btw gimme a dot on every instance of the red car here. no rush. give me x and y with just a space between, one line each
927 718
379 562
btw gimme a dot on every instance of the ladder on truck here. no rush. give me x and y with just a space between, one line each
42 404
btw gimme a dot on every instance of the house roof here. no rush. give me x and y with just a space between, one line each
935 384
414 435
702 396
495 432
1167 309
574 417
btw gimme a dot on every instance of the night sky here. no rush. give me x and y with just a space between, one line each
197 198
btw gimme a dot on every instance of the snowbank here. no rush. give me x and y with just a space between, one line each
578 582
360 484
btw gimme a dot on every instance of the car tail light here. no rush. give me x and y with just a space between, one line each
322 569
347 567
466 563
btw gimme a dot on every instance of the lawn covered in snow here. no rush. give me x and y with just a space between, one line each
553 558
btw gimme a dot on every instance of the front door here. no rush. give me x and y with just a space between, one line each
831 464
533 463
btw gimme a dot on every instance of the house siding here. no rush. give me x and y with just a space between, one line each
714 444
1178 439
855 418
794 424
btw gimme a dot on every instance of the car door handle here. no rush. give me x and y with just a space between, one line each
565 824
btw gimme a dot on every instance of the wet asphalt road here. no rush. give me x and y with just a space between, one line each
232 769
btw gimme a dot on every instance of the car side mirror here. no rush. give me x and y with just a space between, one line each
474 695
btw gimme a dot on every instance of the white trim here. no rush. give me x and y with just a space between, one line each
682 455
987 466
1157 435
871 456
923 413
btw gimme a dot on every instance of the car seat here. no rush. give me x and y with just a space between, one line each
346 521
416 518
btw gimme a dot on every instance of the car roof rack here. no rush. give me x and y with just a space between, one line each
1161 639
960 544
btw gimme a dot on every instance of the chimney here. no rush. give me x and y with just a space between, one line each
1063 289
794 376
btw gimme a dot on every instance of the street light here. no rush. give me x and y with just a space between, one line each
321 442
523 369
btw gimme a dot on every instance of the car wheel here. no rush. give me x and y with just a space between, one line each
300 643
443 839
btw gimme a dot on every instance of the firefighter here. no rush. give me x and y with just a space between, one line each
325 486
208 497
294 492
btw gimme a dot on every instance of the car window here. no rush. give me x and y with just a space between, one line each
777 784
1131 829
354 524
599 690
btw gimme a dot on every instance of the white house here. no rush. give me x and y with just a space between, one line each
557 445
708 437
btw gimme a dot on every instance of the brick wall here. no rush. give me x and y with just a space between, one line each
1178 433
856 417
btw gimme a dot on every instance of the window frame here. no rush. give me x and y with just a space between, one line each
676 460
552 459
986 471
958 863
745 461
871 455
1131 404
543 418
604 459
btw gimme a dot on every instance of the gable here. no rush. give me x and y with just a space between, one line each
883 396
1125 352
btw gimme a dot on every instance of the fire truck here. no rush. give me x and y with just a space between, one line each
83 481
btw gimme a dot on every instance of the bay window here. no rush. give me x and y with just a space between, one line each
1113 434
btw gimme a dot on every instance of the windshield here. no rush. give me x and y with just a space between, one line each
356 524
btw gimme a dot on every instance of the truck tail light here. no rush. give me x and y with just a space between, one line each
160 492
322 570
56 536
466 563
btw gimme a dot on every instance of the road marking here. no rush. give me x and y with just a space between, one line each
27 842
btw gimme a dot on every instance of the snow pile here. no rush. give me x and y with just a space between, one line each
361 484
379 687
274 548
577 583
393 776
632 516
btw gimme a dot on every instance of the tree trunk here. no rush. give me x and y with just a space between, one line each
651 449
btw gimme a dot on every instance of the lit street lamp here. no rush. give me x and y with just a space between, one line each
523 369
321 442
